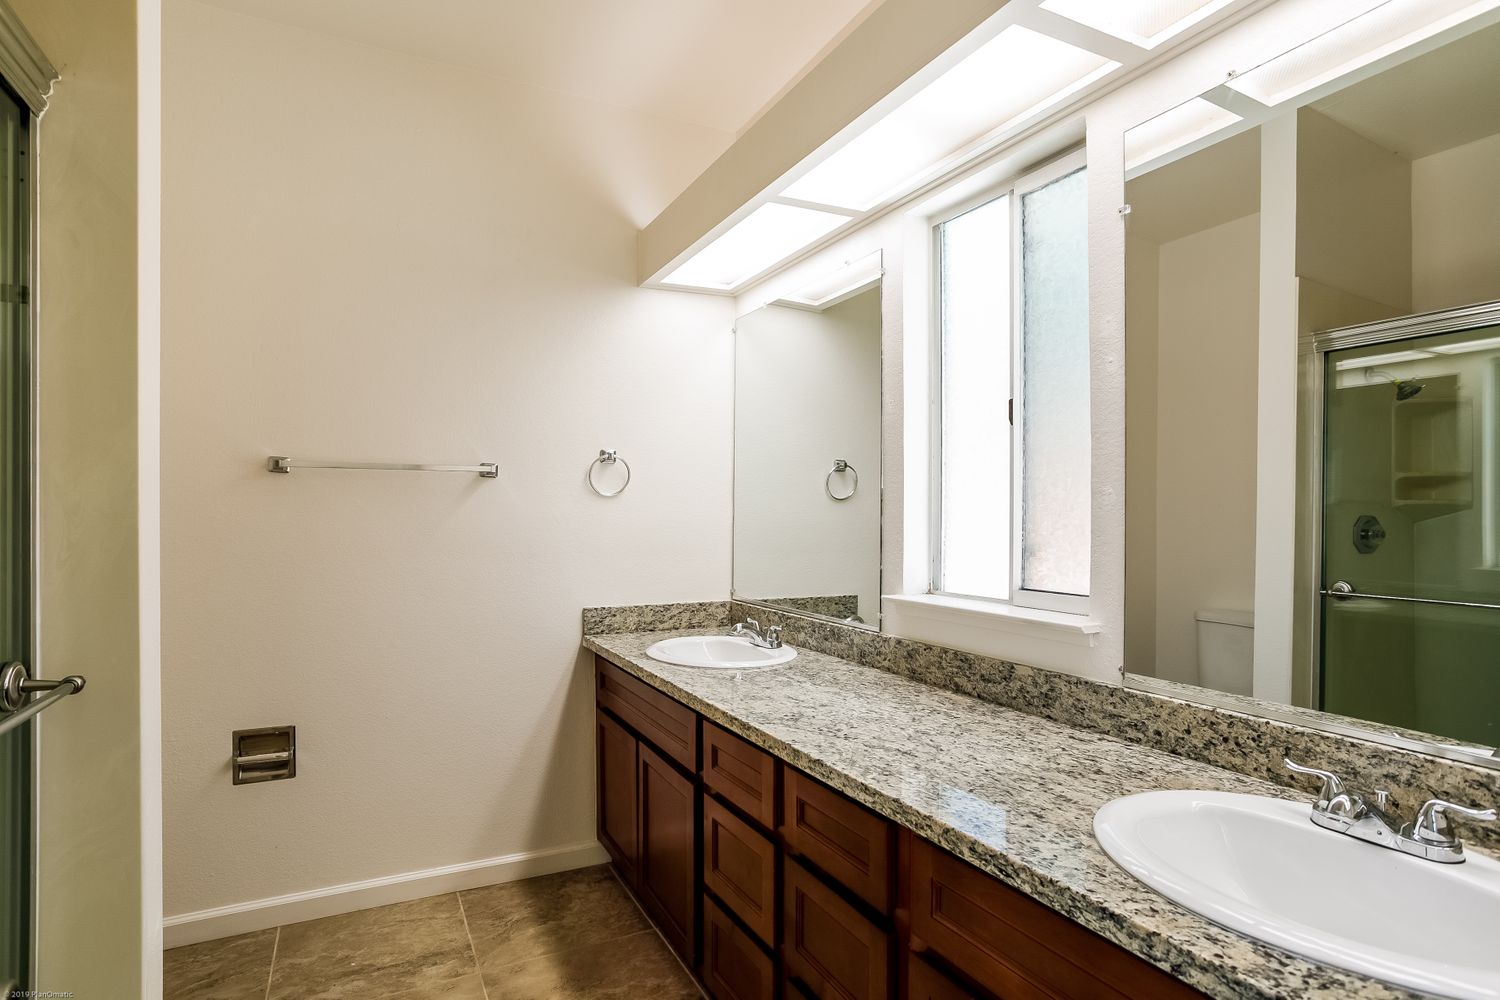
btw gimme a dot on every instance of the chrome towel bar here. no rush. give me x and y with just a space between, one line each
280 463
16 685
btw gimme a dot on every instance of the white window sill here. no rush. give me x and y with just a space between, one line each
989 616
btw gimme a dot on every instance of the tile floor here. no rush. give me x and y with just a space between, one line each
573 936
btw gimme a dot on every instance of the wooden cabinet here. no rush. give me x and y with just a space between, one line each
769 883
741 774
923 982
1014 946
830 949
739 867
667 869
669 726
850 843
618 822
734 966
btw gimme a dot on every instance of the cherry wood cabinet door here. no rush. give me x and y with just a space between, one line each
831 951
739 867
667 878
923 982
741 774
853 845
618 824
734 967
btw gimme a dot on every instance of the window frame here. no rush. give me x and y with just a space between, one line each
1014 188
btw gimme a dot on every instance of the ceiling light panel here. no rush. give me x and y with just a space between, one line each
1146 23
1172 130
1380 32
1010 79
760 240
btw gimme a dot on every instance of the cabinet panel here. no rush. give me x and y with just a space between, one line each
923 982
739 866
743 774
667 879
616 763
1016 947
669 726
849 842
830 949
734 967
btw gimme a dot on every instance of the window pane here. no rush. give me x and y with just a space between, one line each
1055 387
975 300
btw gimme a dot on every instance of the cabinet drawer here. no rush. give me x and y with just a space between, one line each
923 982
838 835
830 949
1014 946
744 775
734 968
669 726
739 866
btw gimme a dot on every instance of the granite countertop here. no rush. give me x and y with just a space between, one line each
1012 793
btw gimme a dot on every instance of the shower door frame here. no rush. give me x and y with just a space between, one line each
1315 351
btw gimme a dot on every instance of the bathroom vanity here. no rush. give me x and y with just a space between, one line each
768 882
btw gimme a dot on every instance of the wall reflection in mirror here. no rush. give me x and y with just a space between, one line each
807 448
1313 390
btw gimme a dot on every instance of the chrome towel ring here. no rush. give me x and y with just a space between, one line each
608 457
839 465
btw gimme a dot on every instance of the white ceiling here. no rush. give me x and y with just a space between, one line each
1446 98
716 63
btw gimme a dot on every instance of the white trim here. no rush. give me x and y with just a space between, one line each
259 914
23 63
997 616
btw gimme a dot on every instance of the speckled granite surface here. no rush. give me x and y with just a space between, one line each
1248 744
1013 793
655 617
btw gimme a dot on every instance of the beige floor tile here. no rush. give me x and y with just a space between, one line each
630 968
235 968
541 916
467 988
397 950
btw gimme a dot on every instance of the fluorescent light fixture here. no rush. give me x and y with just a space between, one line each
759 241
1468 346
1172 130
1012 78
1146 23
1380 32
839 286
1381 360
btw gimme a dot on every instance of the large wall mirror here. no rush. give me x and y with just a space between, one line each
807 448
1312 272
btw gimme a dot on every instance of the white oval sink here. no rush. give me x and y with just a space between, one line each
719 652
1259 866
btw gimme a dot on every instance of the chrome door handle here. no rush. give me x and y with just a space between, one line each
1341 590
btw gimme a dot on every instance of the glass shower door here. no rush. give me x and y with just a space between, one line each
16 746
1411 534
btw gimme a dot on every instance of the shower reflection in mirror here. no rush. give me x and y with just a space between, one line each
1341 555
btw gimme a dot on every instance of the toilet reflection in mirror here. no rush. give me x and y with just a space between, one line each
807 448
1321 277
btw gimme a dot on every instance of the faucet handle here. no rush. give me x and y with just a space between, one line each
773 636
1432 826
1333 785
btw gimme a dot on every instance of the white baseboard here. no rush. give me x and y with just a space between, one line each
258 914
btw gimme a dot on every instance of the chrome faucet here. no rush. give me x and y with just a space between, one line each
1428 836
750 629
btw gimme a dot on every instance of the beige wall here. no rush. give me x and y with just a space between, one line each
96 919
1204 414
1142 278
1455 249
370 256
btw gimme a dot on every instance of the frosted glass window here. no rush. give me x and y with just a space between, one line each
974 289
1055 387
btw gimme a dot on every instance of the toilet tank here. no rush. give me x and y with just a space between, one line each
1226 650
